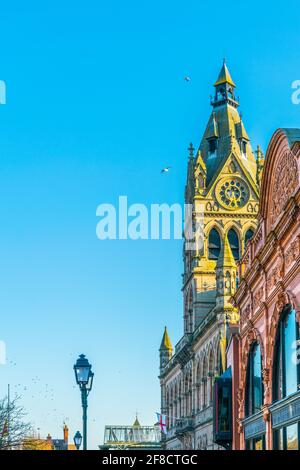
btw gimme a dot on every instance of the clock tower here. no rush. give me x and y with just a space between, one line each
222 186
222 189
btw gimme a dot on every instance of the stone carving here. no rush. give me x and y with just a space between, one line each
186 441
208 286
239 426
274 276
285 183
258 297
291 253
282 301
267 385
266 414
245 314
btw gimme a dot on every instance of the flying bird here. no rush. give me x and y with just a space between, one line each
187 78
166 170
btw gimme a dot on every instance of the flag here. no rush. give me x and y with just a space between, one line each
162 422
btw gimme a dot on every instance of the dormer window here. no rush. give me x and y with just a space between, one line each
212 143
244 147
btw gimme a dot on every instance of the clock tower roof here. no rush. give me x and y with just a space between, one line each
225 132
224 76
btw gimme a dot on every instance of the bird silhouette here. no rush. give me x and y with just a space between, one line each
166 169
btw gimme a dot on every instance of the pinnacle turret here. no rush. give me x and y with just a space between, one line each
165 350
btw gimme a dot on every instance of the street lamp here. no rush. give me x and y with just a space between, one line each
84 378
77 440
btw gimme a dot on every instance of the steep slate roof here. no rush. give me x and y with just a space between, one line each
226 124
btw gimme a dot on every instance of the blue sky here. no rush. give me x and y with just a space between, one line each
96 106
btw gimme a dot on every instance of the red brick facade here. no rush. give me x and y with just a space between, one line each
269 274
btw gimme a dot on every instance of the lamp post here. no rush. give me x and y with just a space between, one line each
77 440
84 378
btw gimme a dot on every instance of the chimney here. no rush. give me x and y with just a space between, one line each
66 434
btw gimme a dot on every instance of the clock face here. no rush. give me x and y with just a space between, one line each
232 193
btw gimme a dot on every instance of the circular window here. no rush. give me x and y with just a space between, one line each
232 193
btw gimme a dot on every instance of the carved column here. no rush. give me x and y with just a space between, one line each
267 402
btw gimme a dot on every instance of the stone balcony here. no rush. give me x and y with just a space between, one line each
204 416
183 348
185 340
184 425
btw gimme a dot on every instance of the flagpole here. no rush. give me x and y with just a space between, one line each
8 412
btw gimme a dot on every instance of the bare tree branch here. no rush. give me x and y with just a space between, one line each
14 430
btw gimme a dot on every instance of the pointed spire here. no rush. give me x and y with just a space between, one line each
224 76
166 342
260 161
224 89
136 423
200 162
259 154
226 258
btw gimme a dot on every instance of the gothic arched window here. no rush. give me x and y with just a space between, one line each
190 312
248 235
219 364
210 377
286 373
234 243
254 386
198 386
214 244
204 382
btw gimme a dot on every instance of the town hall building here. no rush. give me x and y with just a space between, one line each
223 186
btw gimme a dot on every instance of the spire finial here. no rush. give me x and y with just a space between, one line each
191 150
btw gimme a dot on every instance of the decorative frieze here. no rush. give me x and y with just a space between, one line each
286 180
286 411
254 426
